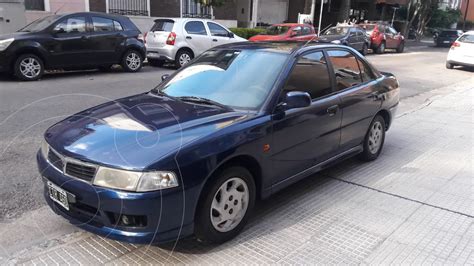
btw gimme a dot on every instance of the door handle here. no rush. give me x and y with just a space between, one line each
332 110
189 37
377 96
214 40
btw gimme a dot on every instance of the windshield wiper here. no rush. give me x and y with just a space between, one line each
204 100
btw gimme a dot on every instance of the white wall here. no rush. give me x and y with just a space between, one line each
272 11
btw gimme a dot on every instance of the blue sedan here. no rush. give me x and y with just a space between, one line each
191 157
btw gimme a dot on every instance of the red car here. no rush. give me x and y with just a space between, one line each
382 37
286 32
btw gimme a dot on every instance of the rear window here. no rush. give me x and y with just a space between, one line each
448 34
469 38
163 25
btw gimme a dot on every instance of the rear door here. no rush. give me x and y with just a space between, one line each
70 44
158 34
106 36
392 37
359 93
219 34
196 36
304 137
354 40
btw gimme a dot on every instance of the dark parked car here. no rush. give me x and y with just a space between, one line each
447 37
352 36
73 41
383 36
194 154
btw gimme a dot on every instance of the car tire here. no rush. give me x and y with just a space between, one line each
381 48
449 65
401 47
156 62
364 50
132 61
374 140
217 201
183 57
28 67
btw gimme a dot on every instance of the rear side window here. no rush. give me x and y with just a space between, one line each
310 74
195 27
365 71
72 25
346 69
217 30
467 38
103 24
163 25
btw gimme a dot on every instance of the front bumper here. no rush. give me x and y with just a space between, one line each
461 63
167 52
93 209
5 62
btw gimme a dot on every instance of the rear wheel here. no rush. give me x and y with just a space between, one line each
28 67
449 65
132 61
374 139
183 57
381 48
156 62
364 49
225 206
401 47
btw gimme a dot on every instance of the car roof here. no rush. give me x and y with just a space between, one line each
290 24
287 47
116 16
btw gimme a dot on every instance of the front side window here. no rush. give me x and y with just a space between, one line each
310 74
102 24
195 27
346 69
71 25
306 31
217 30
234 78
276 30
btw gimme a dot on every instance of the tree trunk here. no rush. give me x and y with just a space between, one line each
372 12
344 10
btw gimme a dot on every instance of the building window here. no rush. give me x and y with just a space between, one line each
129 7
192 9
35 5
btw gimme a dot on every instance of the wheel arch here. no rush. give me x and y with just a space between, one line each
185 48
29 50
386 117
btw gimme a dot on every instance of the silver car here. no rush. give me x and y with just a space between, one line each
179 40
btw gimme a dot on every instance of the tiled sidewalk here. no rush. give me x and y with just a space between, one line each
414 205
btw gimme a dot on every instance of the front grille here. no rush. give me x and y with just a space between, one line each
55 160
80 171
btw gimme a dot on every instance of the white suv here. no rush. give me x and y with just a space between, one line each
181 39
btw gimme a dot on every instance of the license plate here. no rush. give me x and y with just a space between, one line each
58 195
153 54
446 42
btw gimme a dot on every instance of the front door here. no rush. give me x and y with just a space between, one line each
70 44
197 36
106 37
304 137
357 89
219 35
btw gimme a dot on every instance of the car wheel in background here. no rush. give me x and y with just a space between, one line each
28 67
364 50
381 48
225 205
374 140
183 57
401 47
132 61
156 62
449 65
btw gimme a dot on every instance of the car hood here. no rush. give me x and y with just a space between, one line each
137 131
330 38
15 35
261 38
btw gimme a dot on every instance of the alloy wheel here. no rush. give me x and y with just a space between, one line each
229 204
375 137
133 61
30 67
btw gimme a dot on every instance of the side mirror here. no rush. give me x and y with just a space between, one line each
58 30
231 35
164 77
296 99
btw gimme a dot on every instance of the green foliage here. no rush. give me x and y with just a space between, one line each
444 19
246 33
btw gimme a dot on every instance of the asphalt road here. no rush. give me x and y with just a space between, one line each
28 108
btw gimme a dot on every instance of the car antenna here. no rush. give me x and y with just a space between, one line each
59 9
312 39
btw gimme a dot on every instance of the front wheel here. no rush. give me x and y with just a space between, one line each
381 48
132 61
28 67
374 140
401 47
225 206
364 50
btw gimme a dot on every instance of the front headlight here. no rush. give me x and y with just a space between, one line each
5 43
134 181
336 42
44 148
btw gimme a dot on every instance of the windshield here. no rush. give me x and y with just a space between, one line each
368 28
276 30
40 24
163 25
449 33
235 78
336 31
